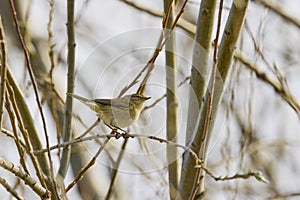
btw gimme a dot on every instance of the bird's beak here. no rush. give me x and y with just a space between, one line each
146 98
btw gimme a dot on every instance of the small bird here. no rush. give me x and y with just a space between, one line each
118 112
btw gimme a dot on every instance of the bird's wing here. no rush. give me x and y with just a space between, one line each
114 104
106 102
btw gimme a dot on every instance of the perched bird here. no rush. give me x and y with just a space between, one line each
118 112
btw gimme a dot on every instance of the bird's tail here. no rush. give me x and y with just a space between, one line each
88 102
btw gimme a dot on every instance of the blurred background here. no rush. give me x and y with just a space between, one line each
256 129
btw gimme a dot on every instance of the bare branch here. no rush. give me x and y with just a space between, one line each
29 68
3 65
67 130
36 187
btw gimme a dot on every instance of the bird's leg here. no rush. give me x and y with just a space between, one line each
114 130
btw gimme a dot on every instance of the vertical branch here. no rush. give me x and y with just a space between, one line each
199 79
16 137
64 162
171 93
30 127
50 42
150 64
115 170
230 36
34 84
85 186
199 73
24 132
198 186
3 64
51 102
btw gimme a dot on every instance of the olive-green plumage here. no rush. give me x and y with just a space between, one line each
119 112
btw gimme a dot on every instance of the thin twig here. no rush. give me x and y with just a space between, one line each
257 48
283 196
24 132
11 135
117 136
89 165
281 89
115 170
81 11
198 161
164 96
164 37
256 174
52 65
182 23
88 130
50 42
278 9
11 190
16 135
210 104
33 136
29 68
3 65
150 64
